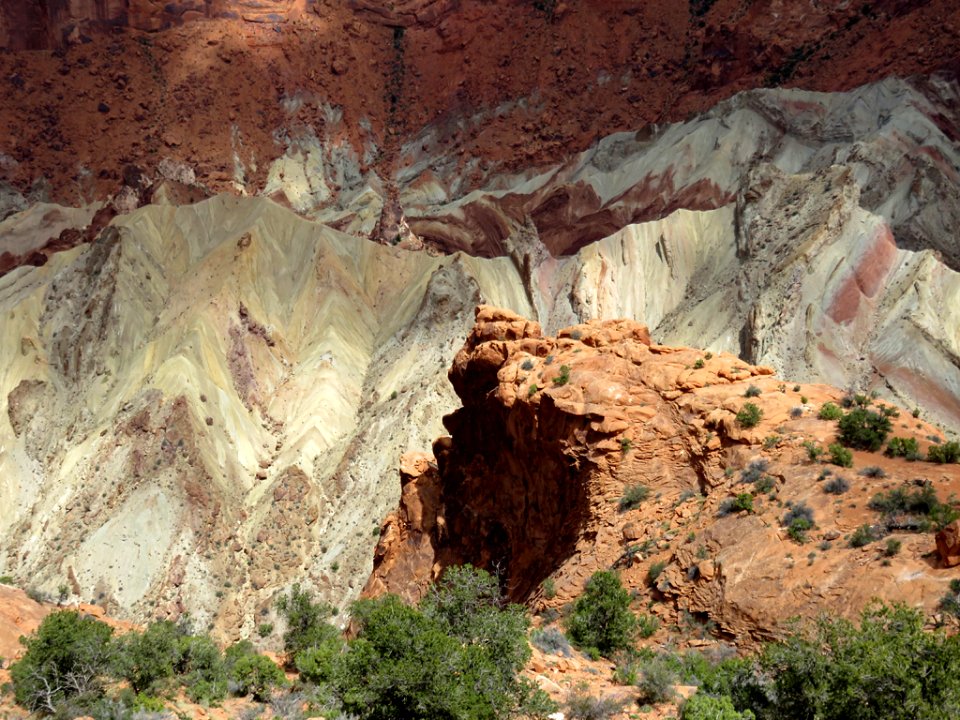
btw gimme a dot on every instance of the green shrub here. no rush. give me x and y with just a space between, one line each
258 676
752 391
814 451
316 664
456 656
149 660
839 455
836 486
601 617
201 669
564 377
749 415
701 706
863 535
888 668
551 641
633 496
873 472
946 453
916 509
829 411
765 484
864 429
893 547
647 625
743 501
581 705
68 655
903 447
656 680
655 570
698 364
307 626
754 471
798 520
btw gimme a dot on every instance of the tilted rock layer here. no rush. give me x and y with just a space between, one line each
553 431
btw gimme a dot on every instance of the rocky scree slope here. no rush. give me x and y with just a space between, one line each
552 433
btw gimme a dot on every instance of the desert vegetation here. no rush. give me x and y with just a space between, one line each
457 655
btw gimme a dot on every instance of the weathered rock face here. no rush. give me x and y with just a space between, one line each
38 24
553 431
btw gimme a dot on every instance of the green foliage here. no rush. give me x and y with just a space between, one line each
903 447
829 411
839 455
580 705
946 453
264 629
6 580
765 484
551 641
149 659
701 706
656 680
533 390
749 415
457 656
863 535
68 655
201 669
307 626
564 377
887 669
601 616
864 429
917 509
754 471
258 676
633 496
893 547
836 486
752 391
742 502
647 625
814 451
655 570
798 520
698 364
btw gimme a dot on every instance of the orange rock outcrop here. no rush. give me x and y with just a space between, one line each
552 433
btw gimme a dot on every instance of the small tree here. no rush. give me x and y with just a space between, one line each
257 675
148 659
601 617
67 656
307 626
